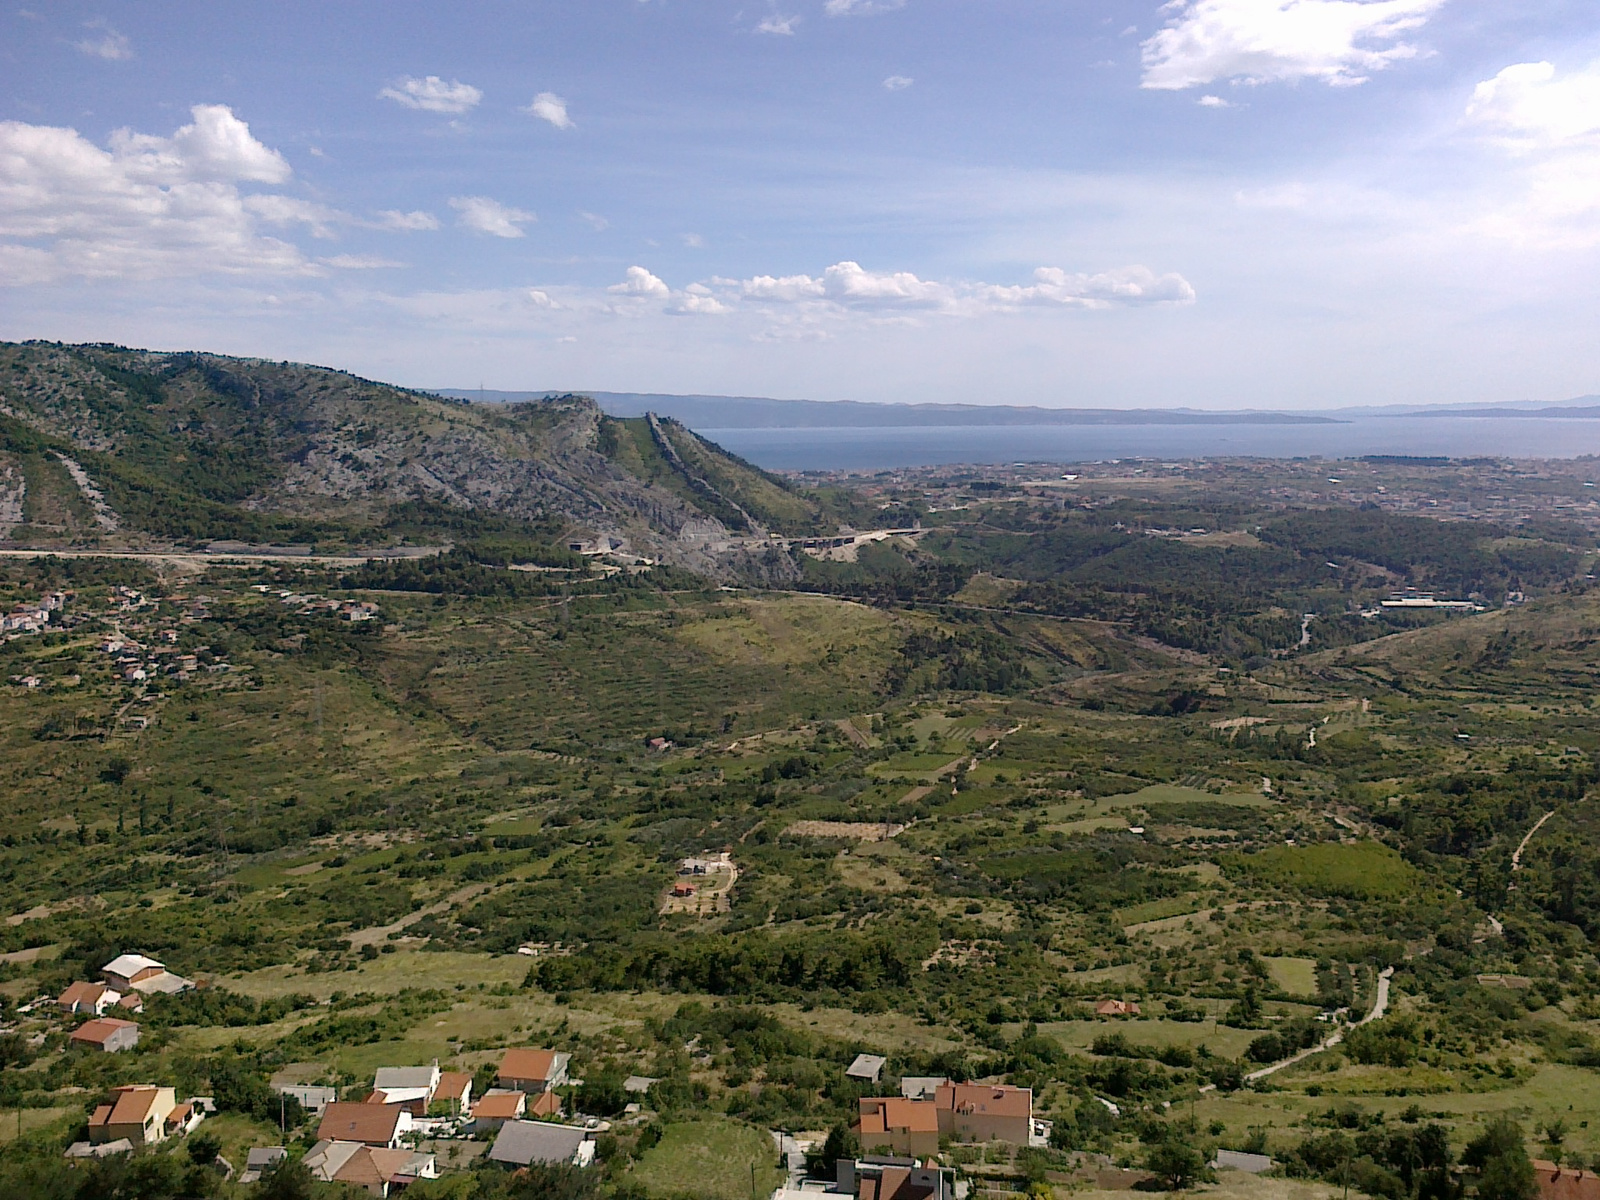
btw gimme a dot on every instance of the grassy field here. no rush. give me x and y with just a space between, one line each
718 1160
1297 976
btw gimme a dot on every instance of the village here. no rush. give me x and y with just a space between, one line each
914 1137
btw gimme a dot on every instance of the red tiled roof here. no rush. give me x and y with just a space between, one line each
453 1085
347 1121
883 1114
97 1031
990 1099
502 1105
528 1064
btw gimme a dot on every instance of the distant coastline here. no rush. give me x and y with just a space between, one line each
764 412
760 412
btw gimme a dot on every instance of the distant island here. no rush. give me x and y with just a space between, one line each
759 412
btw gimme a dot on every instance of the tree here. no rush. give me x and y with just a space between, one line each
1500 1155
841 1143
1176 1165
290 1179
204 1147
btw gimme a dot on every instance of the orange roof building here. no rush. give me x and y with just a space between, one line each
107 1034
1116 1008
373 1124
984 1112
532 1071
138 1112
900 1126
1564 1183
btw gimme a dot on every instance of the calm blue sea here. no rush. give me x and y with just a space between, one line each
877 449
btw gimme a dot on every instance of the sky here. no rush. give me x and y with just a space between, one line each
1215 203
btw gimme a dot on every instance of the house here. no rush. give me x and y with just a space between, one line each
1116 1008
982 1112
373 1124
921 1087
310 1097
683 890
532 1071
497 1106
261 1160
137 1112
895 1125
135 972
866 1067
132 1002
523 1142
106 1034
126 971
186 1116
412 1087
545 1104
1564 1183
1238 1160
88 998
379 1170
455 1089
881 1177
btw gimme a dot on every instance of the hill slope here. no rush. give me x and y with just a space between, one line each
108 445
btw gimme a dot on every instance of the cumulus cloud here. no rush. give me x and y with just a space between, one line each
548 106
105 42
407 222
1213 102
483 215
898 83
146 207
1527 103
781 26
639 282
1133 285
847 286
1262 41
696 300
432 94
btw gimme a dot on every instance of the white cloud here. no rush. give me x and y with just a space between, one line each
781 26
541 299
594 221
432 94
860 8
639 282
696 300
1133 285
1264 41
1213 102
288 210
548 106
898 83
360 262
1550 123
693 240
407 222
483 215
148 207
847 286
105 43
1527 103
217 146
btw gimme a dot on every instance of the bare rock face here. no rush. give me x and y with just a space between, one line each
284 438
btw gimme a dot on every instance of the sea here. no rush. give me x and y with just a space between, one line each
877 449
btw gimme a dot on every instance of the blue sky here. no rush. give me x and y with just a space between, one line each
1220 203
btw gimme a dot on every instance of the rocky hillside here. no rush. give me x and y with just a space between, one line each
105 445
